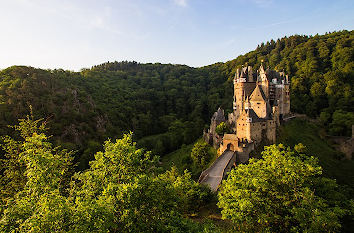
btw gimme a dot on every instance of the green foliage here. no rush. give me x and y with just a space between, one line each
301 131
112 99
200 153
178 133
282 192
13 179
341 123
120 192
121 161
123 196
222 128
40 206
182 160
192 194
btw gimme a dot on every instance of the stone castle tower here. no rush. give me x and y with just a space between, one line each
261 100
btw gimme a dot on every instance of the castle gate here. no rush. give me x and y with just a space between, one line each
230 146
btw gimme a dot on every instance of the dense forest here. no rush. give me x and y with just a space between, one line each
91 176
82 109
169 105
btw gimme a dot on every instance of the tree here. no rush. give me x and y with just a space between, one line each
222 128
200 153
282 192
12 178
342 123
192 194
41 205
120 192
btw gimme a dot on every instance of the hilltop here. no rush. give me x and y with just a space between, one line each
168 105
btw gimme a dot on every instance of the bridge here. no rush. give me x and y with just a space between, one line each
215 173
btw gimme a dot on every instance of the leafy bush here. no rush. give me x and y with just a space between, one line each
200 153
222 128
120 192
282 192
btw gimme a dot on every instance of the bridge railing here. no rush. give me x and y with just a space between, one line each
204 174
229 164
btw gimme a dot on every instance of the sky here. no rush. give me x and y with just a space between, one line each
75 34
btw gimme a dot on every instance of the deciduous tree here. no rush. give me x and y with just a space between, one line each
282 192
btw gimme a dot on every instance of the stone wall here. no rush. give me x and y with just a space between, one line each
243 128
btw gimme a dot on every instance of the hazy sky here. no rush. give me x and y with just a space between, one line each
74 34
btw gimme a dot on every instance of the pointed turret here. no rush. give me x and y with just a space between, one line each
247 103
263 80
261 69
250 74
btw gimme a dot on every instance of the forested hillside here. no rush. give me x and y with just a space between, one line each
84 108
168 105
321 68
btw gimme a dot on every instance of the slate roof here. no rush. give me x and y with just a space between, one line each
250 113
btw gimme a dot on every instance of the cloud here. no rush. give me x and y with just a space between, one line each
182 3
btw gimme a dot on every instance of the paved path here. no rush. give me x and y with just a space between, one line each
215 174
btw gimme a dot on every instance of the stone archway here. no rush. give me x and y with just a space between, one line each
230 146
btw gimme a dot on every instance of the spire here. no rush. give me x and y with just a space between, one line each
261 68
250 73
247 103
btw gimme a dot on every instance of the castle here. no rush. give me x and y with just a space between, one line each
261 100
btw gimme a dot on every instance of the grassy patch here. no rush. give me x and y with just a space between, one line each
182 160
178 158
301 131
